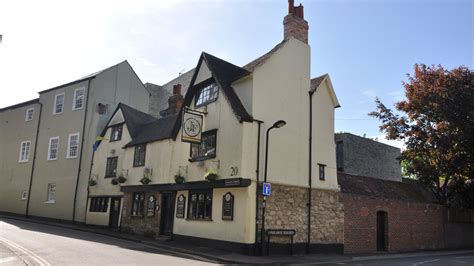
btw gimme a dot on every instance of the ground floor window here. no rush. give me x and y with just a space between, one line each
200 205
138 202
99 204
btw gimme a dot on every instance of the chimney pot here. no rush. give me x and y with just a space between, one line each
294 24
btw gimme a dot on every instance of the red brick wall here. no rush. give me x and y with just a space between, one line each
411 226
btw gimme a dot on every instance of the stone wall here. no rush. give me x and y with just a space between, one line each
366 157
287 209
411 226
141 225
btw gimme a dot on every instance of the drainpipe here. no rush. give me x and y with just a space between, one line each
89 180
80 154
310 139
34 160
257 195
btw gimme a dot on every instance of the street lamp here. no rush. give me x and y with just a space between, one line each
277 124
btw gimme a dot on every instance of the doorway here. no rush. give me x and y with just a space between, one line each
167 213
382 231
114 218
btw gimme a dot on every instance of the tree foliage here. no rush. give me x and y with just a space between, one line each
436 122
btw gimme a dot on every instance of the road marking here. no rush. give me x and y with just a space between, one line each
423 262
464 257
31 254
7 259
458 261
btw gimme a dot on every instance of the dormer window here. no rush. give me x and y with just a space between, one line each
116 133
207 95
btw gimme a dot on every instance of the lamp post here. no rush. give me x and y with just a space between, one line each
277 124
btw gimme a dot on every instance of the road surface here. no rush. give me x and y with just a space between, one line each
25 243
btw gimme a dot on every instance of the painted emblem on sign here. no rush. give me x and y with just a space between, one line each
192 127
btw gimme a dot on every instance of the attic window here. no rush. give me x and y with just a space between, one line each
116 133
207 95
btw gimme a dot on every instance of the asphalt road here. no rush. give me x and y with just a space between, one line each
24 243
455 260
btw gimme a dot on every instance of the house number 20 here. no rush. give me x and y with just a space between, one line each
234 170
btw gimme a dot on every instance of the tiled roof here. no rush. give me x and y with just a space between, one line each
255 63
315 82
408 190
159 129
134 119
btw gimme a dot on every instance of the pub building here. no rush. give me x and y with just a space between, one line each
195 173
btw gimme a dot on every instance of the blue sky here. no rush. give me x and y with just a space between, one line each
367 46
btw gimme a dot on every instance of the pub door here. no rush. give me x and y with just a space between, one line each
382 231
167 213
114 216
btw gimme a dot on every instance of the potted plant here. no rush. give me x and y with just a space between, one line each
145 180
179 179
211 174
121 179
114 181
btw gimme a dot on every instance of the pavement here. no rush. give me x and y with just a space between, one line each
205 254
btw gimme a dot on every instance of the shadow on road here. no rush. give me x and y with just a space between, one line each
69 231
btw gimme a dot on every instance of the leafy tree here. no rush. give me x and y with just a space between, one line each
436 122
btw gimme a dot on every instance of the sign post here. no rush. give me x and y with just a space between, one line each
191 127
267 189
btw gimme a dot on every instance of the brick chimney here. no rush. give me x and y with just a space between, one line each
175 102
294 24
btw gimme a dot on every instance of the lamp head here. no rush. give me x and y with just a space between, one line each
279 123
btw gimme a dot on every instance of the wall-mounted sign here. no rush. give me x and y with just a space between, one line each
228 207
191 127
150 211
180 206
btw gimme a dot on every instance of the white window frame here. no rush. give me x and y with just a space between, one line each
68 155
55 102
49 149
83 89
27 118
24 159
51 193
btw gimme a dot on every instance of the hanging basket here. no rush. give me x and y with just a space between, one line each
114 181
179 179
145 180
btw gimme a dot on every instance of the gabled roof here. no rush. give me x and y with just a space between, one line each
262 59
143 127
159 129
373 187
317 81
88 77
18 105
223 73
134 119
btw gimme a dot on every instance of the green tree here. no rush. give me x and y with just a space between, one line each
436 122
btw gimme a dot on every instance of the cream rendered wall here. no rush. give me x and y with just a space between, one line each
63 171
239 230
15 175
324 147
283 83
281 86
244 89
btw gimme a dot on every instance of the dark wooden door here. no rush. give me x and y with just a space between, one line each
381 231
167 213
114 213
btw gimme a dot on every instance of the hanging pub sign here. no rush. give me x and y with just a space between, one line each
180 206
191 127
151 206
228 207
